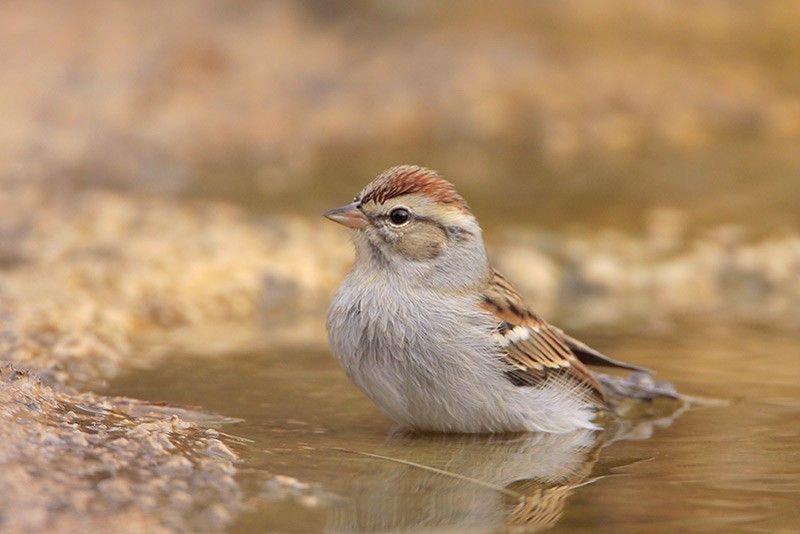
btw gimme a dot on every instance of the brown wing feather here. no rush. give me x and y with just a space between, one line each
536 352
589 356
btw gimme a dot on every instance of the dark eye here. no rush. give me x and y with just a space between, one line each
399 216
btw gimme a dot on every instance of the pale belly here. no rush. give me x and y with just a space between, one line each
430 367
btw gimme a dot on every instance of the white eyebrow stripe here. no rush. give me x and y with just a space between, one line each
452 217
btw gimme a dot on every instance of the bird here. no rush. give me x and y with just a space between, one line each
438 339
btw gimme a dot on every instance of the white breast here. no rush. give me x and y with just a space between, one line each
430 362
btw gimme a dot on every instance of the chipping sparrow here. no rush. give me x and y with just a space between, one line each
438 339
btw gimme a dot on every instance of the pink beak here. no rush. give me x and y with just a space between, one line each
350 216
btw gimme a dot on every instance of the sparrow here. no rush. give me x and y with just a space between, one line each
438 339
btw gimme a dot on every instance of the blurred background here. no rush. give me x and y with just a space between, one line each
654 123
163 165
565 113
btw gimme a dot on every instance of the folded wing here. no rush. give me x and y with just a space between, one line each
537 353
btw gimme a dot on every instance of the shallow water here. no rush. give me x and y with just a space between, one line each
732 466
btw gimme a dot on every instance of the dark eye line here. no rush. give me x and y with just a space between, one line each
385 217
417 218
456 232
430 220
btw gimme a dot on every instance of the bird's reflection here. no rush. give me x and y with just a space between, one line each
475 482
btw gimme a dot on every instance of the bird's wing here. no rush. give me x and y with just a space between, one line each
536 352
589 356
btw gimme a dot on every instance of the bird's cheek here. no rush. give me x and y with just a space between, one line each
425 245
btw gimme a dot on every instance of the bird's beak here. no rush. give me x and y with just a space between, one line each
350 216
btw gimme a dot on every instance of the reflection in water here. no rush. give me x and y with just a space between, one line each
730 467
475 481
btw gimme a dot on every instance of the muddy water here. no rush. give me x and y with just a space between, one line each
734 466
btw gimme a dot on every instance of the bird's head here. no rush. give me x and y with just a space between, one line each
411 222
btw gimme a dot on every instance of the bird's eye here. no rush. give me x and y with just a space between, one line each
399 216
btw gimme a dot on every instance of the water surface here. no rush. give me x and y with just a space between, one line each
734 467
